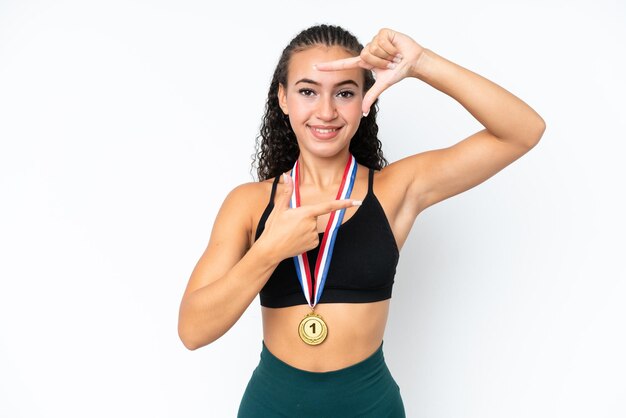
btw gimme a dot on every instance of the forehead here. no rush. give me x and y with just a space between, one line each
301 66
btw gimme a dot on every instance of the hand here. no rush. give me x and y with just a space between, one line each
390 55
293 231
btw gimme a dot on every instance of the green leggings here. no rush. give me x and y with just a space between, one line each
365 389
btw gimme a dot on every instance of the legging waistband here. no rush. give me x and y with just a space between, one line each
374 361
364 390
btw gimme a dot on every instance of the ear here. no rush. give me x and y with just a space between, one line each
282 99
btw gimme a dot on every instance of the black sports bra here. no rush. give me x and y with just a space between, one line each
361 270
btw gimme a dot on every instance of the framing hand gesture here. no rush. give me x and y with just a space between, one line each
390 55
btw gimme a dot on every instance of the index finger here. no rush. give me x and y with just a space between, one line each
342 64
333 205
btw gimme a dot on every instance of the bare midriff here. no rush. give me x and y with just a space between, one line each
355 331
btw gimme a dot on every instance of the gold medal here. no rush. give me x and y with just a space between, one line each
313 329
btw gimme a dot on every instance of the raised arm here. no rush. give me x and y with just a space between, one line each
511 127
231 272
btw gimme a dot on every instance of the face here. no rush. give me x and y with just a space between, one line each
324 107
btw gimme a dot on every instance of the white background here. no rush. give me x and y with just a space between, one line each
123 125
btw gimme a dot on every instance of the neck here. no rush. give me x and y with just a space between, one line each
322 172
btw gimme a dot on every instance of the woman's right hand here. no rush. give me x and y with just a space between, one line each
293 231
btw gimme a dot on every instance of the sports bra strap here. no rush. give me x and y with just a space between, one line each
370 181
276 180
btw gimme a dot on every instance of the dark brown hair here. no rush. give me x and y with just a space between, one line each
276 146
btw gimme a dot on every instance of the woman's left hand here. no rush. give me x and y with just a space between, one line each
392 56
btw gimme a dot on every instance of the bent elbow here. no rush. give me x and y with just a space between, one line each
191 337
536 132
186 339
190 342
190 346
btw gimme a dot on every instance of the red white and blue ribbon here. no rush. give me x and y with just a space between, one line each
313 288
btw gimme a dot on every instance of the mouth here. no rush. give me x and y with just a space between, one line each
324 132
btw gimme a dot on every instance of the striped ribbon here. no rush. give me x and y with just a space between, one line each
313 289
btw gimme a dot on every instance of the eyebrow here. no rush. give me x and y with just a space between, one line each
341 83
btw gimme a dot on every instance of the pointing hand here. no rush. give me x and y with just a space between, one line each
293 231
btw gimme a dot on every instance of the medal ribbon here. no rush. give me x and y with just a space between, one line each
313 289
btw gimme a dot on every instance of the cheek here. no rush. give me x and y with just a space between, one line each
299 108
352 111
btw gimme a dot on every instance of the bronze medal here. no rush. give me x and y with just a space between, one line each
313 329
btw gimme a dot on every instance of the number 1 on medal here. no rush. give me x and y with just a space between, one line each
313 329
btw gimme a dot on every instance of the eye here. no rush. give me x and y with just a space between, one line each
345 94
306 92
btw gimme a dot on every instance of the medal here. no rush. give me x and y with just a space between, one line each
312 329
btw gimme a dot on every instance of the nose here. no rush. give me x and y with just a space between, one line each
326 109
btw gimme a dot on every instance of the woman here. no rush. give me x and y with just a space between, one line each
325 359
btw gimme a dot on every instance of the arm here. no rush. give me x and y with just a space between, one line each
231 272
511 126
227 277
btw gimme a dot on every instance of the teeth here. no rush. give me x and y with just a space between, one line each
325 131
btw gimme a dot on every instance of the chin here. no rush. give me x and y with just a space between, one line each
326 150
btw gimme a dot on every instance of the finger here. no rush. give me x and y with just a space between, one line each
371 96
333 205
342 64
365 65
384 47
372 61
384 50
285 196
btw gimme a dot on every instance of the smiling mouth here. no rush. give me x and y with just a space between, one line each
325 133
325 130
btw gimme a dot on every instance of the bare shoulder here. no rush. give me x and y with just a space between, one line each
249 192
232 233
395 181
244 205
404 167
419 181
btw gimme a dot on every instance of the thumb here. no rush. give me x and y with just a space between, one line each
285 196
371 96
